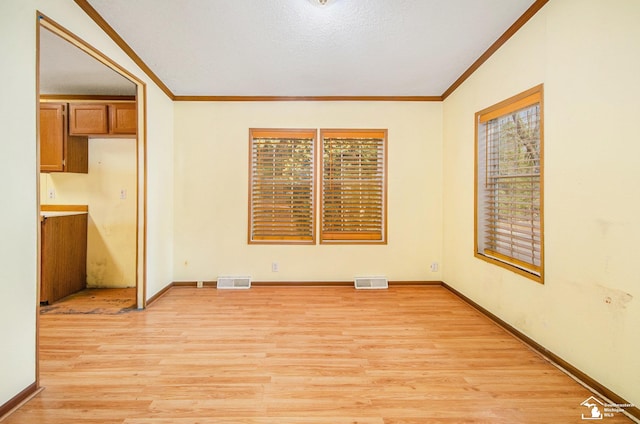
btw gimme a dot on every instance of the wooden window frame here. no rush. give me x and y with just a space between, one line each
284 237
526 99
379 236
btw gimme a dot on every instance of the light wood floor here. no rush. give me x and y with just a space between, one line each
313 355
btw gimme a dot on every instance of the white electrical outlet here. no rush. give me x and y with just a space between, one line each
275 267
199 284
434 267
123 193
52 193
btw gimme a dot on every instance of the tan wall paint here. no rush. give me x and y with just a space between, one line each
211 165
586 53
19 225
160 182
111 239
19 177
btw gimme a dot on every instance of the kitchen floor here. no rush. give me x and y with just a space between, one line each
94 301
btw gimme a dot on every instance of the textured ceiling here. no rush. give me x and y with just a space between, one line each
65 69
298 48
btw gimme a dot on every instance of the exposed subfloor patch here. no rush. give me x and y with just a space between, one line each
95 301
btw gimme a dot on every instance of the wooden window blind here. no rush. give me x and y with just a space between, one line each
281 186
509 184
354 197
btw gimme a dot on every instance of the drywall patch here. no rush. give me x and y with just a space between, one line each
616 299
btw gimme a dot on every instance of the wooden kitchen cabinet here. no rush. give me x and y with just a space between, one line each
52 136
60 152
123 118
88 119
103 119
63 256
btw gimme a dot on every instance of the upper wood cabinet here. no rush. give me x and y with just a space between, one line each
52 137
60 152
88 119
123 118
104 119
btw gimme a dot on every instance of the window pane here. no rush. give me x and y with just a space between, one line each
282 186
509 192
353 186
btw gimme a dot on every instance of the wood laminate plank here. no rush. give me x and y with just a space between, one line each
315 355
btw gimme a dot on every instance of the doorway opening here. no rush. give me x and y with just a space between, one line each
102 128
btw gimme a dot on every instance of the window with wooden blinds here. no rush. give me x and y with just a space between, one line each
281 186
354 184
509 184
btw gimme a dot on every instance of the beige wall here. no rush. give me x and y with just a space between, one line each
586 54
111 238
159 204
19 179
211 183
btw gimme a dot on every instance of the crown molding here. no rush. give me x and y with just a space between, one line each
99 20
307 98
528 14
87 97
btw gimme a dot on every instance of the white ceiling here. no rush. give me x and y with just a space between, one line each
65 69
298 48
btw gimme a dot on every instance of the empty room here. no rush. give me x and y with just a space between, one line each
320 211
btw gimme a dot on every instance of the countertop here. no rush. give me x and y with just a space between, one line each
50 211
50 214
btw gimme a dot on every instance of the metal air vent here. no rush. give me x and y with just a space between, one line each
234 283
371 283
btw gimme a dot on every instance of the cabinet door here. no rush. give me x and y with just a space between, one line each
63 269
88 119
52 136
123 118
